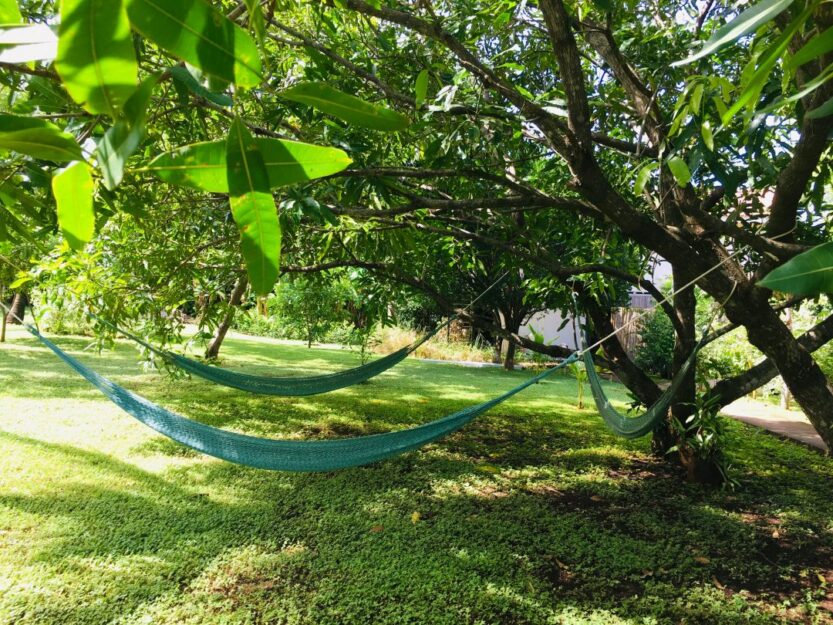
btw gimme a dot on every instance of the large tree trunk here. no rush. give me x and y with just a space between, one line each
234 301
18 308
805 379
642 386
684 304
703 469
509 359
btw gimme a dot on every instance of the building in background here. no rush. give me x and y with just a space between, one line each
558 329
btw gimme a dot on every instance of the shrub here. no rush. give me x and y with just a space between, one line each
656 352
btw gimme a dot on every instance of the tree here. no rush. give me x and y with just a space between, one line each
562 137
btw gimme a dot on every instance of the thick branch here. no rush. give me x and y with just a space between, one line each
733 388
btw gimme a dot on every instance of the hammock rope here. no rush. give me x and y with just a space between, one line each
639 425
294 386
283 455
289 455
644 423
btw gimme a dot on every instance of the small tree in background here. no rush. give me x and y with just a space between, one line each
656 353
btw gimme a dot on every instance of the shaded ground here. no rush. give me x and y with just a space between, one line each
533 514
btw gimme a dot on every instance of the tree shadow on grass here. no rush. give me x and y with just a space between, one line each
347 547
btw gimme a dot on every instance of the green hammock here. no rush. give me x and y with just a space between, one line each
283 386
282 455
640 425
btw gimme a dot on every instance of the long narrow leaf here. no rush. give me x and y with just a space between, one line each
27 42
124 137
47 143
253 208
192 30
73 190
346 107
203 165
745 23
809 273
95 59
752 90
818 45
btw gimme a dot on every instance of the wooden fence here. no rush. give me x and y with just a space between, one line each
630 336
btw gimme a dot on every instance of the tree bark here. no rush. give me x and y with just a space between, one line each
509 359
805 379
18 308
234 301
642 386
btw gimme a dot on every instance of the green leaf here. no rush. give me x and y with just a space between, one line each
9 12
679 170
605 5
756 82
96 61
746 22
117 144
135 109
818 45
809 273
20 282
73 190
125 136
806 89
643 176
253 208
421 88
257 23
190 82
707 134
346 107
194 31
203 165
822 110
27 43
10 123
38 138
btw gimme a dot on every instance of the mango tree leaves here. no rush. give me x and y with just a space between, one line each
194 31
421 88
257 21
203 165
643 176
821 111
745 23
73 190
96 61
9 12
679 170
346 107
38 138
27 42
122 139
186 79
818 45
809 273
253 208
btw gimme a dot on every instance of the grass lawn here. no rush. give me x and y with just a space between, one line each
532 514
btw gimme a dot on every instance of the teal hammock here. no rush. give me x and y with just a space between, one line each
282 386
640 425
283 455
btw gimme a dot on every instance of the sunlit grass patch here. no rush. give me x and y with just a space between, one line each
533 513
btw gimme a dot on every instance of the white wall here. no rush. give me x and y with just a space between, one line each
547 323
